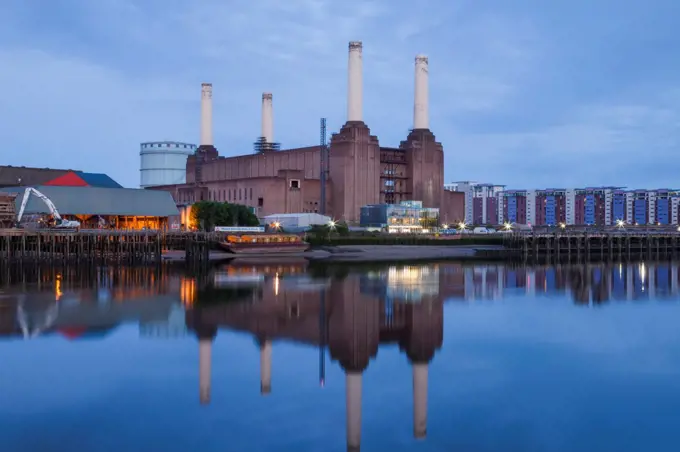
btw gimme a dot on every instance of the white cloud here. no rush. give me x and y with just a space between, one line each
127 71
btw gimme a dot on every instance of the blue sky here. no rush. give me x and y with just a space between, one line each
526 93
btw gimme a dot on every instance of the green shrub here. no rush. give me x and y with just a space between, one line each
208 214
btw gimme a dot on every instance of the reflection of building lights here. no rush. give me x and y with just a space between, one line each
57 289
276 284
407 274
410 283
643 275
187 291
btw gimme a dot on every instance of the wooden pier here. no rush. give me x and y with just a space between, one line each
590 246
127 247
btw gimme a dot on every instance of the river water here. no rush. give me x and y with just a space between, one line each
288 357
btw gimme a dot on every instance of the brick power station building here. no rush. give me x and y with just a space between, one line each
358 171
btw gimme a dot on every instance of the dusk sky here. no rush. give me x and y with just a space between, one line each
527 93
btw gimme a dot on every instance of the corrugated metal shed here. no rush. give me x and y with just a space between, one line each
100 201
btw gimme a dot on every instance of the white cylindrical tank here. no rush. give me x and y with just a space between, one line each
164 162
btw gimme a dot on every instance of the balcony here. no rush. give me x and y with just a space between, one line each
392 158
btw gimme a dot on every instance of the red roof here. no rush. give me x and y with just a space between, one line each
70 179
81 179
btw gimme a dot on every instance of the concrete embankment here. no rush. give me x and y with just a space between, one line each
366 253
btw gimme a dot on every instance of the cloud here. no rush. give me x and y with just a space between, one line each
84 82
591 144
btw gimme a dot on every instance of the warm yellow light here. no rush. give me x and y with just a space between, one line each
563 226
187 291
331 224
461 225
445 226
57 289
507 226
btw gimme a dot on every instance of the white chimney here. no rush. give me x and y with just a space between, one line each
355 84
204 369
267 118
421 115
420 372
353 389
266 364
206 114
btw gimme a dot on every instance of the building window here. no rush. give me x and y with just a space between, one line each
251 193
260 202
295 184
239 194
229 193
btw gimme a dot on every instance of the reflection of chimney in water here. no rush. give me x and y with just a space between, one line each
266 367
204 369
420 373
353 381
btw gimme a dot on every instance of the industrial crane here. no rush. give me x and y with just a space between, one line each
59 222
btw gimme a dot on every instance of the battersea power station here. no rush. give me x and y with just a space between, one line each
350 171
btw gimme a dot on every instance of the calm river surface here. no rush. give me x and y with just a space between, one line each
287 357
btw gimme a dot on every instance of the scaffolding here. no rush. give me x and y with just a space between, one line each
262 146
392 175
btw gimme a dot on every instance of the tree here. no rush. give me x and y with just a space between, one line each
319 231
208 214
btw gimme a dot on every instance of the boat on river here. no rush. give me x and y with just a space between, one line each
264 244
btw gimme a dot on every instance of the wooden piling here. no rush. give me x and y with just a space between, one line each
588 246
95 246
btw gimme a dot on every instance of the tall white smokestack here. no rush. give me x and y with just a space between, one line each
266 366
420 372
206 114
355 84
353 387
204 369
267 118
421 114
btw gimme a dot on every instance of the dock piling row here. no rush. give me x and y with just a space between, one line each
588 246
125 247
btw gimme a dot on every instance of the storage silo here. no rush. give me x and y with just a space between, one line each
164 162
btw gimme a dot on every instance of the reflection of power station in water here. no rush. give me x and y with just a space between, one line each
344 318
298 282
409 284
173 326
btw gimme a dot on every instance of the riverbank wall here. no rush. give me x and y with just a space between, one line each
133 247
